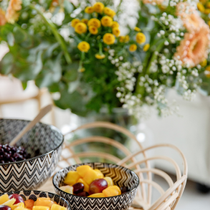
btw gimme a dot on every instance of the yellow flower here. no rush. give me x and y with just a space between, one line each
106 49
208 5
207 11
93 30
146 47
98 7
203 1
12 10
203 63
207 71
81 70
132 47
109 12
74 22
80 28
108 38
106 21
94 22
98 56
115 24
209 23
2 18
83 46
140 38
127 38
89 10
137 29
200 7
122 38
85 21
116 31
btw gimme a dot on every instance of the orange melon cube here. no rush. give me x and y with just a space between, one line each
90 176
97 195
57 207
86 186
109 181
71 178
82 170
4 198
29 203
41 208
99 173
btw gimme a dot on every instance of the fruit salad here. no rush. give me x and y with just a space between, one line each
89 182
16 202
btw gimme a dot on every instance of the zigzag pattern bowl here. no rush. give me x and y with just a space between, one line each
31 173
34 194
121 177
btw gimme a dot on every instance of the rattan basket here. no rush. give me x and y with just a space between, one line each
168 198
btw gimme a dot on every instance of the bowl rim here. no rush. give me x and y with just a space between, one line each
53 181
40 191
38 156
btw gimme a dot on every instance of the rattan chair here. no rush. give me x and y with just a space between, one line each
168 198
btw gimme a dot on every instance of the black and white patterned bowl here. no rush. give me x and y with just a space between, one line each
121 176
34 194
31 173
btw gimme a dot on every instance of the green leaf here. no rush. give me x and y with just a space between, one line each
6 64
10 39
24 85
73 86
68 6
71 73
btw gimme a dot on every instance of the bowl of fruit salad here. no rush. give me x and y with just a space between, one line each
96 186
32 200
32 161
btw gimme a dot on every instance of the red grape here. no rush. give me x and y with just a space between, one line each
4 207
98 185
83 194
78 187
18 198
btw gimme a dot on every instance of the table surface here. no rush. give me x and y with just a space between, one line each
48 186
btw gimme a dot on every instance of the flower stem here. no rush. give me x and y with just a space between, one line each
56 34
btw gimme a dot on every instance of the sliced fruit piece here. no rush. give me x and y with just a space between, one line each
82 170
41 208
71 178
90 176
3 207
111 191
86 188
18 205
109 181
43 202
99 173
29 203
57 207
67 188
4 198
97 195
10 202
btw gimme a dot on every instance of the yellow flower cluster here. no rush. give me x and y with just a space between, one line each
204 7
95 26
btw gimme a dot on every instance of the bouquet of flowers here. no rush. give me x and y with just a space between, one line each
79 53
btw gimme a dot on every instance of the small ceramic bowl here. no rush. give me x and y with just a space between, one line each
121 176
33 172
34 194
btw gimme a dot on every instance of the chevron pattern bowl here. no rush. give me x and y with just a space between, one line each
33 172
34 194
121 177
